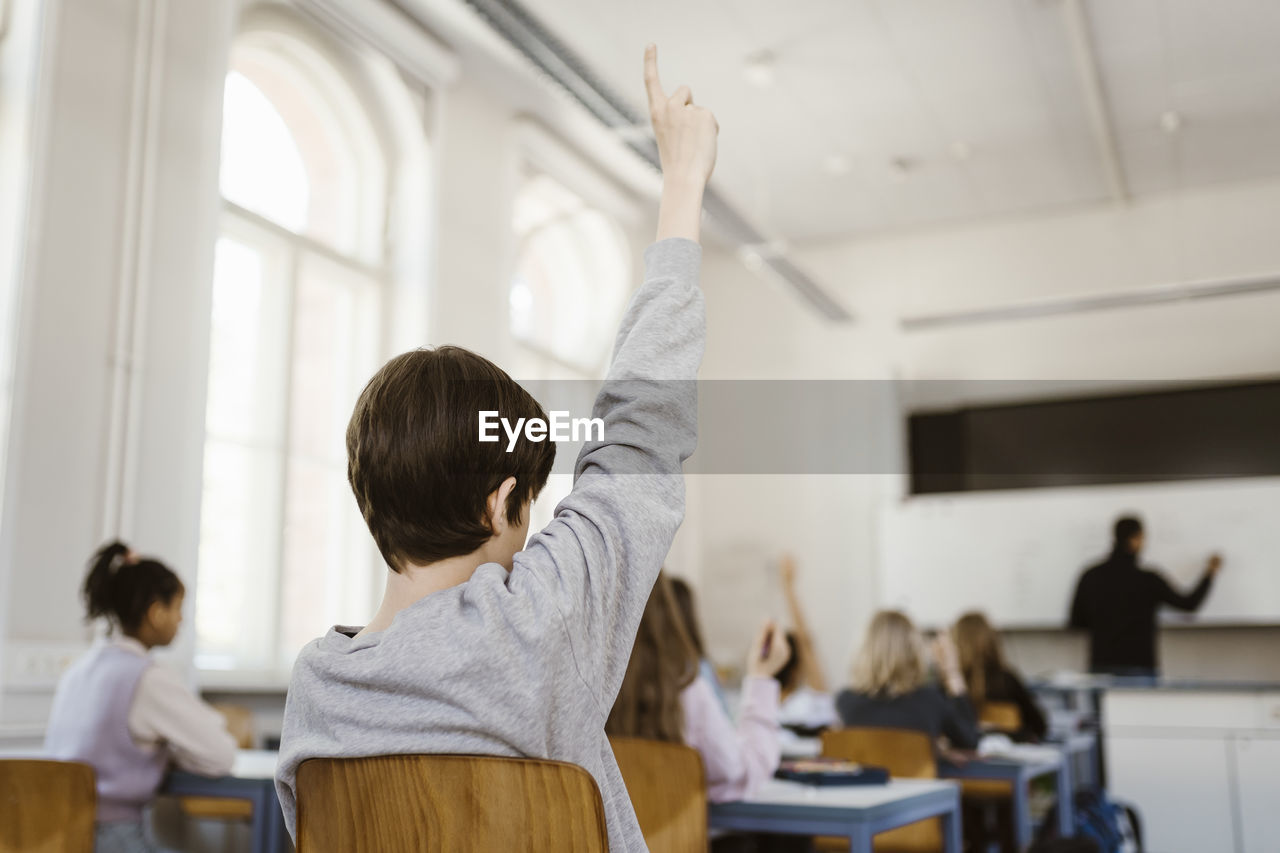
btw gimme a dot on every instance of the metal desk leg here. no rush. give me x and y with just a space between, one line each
267 828
951 842
1021 812
277 835
860 839
1066 800
259 840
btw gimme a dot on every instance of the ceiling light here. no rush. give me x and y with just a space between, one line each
1170 121
759 67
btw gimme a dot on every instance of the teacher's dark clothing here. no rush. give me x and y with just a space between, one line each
1117 602
926 709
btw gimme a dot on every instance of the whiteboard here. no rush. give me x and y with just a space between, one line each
1017 554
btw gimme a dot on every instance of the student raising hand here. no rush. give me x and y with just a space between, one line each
769 652
686 137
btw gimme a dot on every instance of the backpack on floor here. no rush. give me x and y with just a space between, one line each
1107 824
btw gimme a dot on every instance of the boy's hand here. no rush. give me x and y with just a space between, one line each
769 652
686 134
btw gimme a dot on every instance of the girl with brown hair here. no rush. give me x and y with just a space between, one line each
663 697
990 678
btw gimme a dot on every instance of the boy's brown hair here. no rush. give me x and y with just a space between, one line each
415 462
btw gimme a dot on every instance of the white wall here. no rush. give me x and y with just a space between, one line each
758 330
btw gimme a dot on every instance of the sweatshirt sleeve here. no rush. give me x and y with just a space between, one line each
736 759
165 712
598 559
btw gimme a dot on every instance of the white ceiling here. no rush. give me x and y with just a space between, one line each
878 80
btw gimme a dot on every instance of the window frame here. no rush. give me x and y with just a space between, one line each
406 151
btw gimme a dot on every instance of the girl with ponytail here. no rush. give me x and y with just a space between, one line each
119 711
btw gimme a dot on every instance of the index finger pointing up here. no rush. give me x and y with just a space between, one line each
652 85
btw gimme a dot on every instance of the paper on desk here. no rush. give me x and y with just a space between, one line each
1000 746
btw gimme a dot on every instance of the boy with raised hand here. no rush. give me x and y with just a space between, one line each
480 647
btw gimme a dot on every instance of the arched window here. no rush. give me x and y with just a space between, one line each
572 276
571 282
301 285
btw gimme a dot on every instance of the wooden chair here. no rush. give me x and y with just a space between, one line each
46 806
906 755
668 788
240 725
1004 716
446 803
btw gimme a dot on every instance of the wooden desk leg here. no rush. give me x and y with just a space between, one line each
860 839
951 842
1066 800
1021 812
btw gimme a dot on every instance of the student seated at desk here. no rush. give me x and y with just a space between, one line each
485 643
664 697
122 713
891 689
988 676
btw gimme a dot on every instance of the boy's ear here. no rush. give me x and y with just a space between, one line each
496 504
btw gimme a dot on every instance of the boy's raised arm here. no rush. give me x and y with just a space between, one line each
612 533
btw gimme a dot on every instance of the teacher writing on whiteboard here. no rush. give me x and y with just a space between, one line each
1116 601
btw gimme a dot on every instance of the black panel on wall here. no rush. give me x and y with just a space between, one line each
1189 433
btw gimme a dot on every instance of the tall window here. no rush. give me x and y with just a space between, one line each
571 282
300 281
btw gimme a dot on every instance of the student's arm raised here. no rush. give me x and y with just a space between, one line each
599 557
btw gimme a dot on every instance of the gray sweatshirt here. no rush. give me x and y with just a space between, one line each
529 663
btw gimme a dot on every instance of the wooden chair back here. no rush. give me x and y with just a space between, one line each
668 788
239 721
46 806
1005 716
907 755
445 803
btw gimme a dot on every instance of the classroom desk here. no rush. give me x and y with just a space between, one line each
252 778
1081 752
1019 774
856 812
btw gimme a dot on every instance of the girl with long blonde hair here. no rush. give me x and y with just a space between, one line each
891 688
